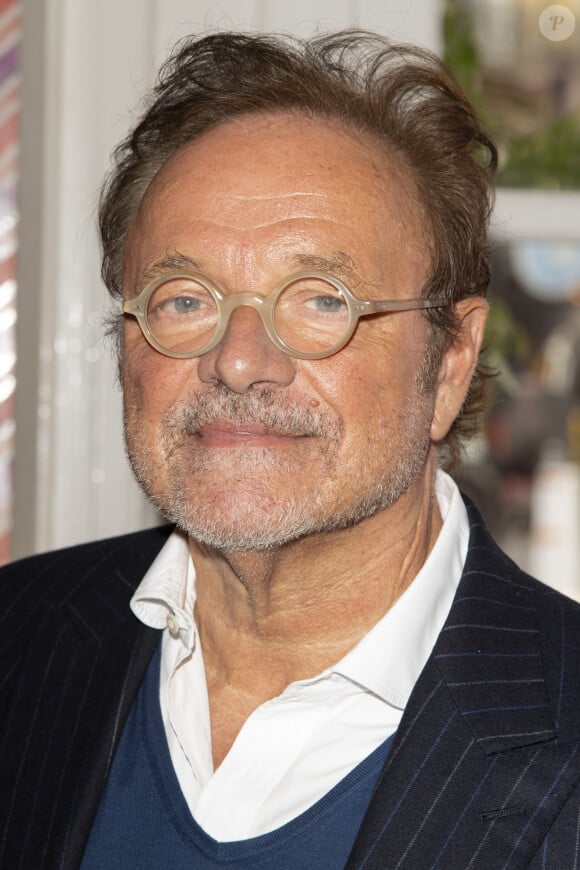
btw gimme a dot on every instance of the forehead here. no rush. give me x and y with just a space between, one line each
266 185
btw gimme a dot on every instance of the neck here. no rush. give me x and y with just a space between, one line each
288 614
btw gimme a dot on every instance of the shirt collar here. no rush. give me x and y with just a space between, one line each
389 658
165 598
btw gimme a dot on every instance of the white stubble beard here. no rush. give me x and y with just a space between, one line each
275 504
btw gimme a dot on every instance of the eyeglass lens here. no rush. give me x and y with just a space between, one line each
310 315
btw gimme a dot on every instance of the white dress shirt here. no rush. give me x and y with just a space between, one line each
294 748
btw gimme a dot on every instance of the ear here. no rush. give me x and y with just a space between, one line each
458 364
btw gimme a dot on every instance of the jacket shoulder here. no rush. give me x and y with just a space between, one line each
104 570
141 545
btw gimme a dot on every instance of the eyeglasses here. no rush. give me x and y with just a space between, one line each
309 315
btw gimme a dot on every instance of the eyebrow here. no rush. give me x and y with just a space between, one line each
171 263
339 264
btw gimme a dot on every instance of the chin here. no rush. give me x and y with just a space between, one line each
260 520
255 525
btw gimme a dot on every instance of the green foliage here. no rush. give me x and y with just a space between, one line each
508 339
507 344
460 50
549 159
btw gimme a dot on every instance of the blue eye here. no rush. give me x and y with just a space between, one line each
328 304
185 304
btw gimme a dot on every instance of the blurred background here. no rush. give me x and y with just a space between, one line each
71 74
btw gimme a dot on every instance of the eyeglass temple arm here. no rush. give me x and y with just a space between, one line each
375 307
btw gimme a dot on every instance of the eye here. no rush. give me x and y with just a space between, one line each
313 296
185 304
179 299
327 304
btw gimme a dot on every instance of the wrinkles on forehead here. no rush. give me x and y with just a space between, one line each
264 197
238 211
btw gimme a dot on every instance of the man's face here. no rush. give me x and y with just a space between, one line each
246 447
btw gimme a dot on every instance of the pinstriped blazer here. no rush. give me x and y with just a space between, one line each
484 771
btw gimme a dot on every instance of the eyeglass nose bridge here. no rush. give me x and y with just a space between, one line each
227 304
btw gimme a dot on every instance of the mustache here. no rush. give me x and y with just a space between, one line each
266 408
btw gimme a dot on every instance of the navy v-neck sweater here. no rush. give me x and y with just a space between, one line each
144 822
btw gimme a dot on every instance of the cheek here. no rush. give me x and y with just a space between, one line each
153 382
376 366
358 389
371 382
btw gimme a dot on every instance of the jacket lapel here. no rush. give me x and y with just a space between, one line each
475 773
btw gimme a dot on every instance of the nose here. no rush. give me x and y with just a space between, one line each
245 357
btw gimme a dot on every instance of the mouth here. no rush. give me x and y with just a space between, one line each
226 433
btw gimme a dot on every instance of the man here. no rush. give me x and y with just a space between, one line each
329 663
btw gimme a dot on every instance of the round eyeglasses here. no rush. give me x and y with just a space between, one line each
309 315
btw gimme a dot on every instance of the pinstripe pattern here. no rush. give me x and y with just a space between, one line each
489 766
483 774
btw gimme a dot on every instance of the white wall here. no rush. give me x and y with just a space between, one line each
85 65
